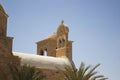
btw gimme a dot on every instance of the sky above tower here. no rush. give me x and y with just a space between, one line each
94 26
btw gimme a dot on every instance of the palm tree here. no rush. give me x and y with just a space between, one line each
83 73
26 72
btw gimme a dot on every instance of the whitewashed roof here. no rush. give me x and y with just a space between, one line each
45 62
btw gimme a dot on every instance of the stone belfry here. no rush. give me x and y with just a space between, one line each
64 46
6 57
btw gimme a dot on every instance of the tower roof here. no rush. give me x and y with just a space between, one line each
63 26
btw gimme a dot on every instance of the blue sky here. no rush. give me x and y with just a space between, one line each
94 27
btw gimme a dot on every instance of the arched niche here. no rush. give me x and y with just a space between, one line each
43 52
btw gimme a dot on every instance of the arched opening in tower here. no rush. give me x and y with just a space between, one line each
43 52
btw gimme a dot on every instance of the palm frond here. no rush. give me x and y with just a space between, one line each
96 77
38 75
91 73
82 70
15 72
83 73
103 79
26 72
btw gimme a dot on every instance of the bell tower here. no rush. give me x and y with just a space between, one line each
64 46
3 22
7 59
5 42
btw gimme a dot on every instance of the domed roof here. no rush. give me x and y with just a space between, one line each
45 62
52 36
63 26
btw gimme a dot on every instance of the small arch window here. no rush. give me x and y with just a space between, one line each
60 43
43 52
63 42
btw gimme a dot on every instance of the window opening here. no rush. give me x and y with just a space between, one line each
43 52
